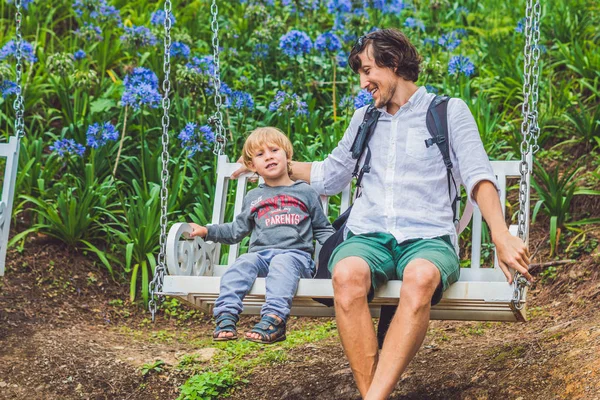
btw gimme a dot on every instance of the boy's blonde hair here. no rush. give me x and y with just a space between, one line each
266 135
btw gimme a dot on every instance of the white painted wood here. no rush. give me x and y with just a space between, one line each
480 294
10 151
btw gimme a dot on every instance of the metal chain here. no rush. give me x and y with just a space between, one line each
19 104
160 270
529 128
217 117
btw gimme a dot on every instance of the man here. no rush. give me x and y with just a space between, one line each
402 226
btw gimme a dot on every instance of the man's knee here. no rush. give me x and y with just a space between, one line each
351 280
420 280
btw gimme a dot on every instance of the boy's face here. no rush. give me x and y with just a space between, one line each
270 161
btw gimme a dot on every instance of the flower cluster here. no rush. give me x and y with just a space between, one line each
203 65
196 140
285 103
520 25
391 6
24 3
98 135
461 64
449 40
179 49
8 88
158 18
295 43
339 6
138 36
10 50
413 23
60 64
363 98
97 10
79 55
141 88
89 32
239 100
67 146
261 50
328 42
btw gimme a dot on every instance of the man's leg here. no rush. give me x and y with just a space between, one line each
351 284
408 327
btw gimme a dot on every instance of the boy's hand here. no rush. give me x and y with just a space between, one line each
198 230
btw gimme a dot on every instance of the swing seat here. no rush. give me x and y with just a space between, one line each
481 294
9 151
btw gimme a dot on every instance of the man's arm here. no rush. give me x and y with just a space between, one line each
511 250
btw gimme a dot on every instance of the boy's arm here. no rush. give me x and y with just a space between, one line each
322 229
232 232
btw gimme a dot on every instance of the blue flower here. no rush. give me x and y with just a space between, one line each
141 89
521 25
461 64
24 3
224 89
328 42
261 51
89 32
295 43
363 98
429 42
390 6
286 84
67 146
462 10
204 65
449 41
179 49
79 54
339 6
158 18
98 136
414 23
346 102
342 59
285 103
97 10
138 36
10 50
194 139
239 100
8 88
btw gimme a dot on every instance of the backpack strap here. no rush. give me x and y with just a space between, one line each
361 142
437 125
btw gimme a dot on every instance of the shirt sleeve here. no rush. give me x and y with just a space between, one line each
473 163
321 227
332 175
232 232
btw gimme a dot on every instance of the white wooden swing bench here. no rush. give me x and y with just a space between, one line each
481 294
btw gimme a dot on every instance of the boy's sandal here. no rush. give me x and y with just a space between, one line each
270 329
225 323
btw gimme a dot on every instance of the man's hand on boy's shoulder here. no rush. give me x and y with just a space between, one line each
243 170
198 230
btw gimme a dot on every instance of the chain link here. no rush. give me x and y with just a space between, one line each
18 104
529 128
160 270
217 117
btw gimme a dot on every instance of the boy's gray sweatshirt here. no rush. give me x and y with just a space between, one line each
279 217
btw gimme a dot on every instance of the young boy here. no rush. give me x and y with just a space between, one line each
283 217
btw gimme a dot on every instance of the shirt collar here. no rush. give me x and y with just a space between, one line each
412 101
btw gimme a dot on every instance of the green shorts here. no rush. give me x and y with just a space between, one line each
387 259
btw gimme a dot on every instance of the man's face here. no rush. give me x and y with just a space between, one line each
379 81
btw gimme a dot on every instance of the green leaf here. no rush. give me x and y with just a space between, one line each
102 105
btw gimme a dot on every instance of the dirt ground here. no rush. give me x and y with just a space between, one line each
66 332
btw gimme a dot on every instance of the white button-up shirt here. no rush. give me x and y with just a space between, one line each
406 191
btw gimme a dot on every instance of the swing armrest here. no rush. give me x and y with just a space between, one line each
189 256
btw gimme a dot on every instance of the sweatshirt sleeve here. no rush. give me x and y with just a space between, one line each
322 229
232 232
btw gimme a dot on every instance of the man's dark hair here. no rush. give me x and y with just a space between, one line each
391 48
